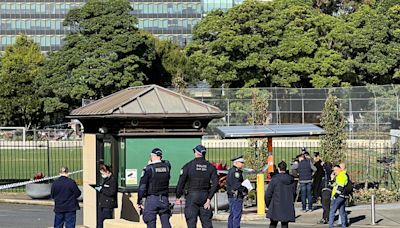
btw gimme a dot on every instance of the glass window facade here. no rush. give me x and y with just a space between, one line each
172 20
210 5
42 19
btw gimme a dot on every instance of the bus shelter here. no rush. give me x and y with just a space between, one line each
269 132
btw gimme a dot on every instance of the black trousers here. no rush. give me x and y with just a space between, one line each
274 224
194 208
316 189
104 213
326 203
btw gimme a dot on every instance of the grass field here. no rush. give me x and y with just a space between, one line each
19 164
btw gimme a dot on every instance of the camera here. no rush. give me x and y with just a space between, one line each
386 160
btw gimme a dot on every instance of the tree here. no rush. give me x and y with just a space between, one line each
339 7
333 122
374 53
278 43
291 44
384 5
172 60
257 154
104 53
21 65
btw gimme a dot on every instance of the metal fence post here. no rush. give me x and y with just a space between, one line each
373 210
48 158
216 203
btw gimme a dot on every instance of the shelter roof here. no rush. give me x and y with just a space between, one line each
262 131
150 101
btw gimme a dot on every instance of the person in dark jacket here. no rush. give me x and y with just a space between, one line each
306 170
65 193
317 179
279 198
199 182
107 195
326 192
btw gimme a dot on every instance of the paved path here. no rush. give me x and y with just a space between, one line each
40 216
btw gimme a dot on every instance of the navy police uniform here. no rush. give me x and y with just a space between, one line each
236 193
199 182
107 200
154 185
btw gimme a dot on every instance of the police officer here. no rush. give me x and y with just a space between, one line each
201 182
154 186
108 191
235 192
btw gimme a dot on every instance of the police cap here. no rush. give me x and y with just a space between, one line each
156 152
238 159
200 149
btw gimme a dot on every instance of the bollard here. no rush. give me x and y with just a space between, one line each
260 194
215 203
373 210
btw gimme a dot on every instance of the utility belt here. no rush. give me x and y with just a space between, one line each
187 192
235 194
327 189
160 195
166 210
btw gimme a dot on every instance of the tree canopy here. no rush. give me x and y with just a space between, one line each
20 102
105 52
292 44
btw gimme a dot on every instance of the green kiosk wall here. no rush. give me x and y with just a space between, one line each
178 151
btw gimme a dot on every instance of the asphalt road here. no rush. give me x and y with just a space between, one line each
28 216
31 216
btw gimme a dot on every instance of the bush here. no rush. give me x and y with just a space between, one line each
382 195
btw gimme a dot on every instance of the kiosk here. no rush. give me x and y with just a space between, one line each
121 129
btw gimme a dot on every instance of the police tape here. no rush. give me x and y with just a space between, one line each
19 184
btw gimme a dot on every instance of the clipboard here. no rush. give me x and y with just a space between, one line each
93 185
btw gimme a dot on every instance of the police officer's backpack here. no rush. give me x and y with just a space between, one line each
348 188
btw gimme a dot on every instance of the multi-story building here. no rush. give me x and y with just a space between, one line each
42 19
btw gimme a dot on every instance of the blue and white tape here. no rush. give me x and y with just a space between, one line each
19 184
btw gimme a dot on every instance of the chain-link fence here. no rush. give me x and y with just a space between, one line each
370 111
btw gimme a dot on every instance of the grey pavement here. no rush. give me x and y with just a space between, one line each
38 214
28 216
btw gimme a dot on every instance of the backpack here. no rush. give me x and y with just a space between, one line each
348 188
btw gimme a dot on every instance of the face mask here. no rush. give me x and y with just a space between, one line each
104 176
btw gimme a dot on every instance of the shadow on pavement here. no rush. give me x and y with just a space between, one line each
357 219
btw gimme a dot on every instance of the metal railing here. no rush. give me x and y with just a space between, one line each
371 163
20 161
